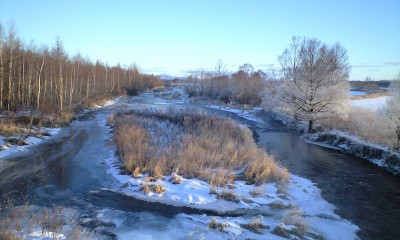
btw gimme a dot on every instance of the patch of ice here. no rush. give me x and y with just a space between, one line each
357 93
241 113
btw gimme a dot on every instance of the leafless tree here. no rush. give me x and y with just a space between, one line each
392 108
219 76
315 79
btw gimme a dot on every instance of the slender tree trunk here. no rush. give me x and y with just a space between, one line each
10 71
87 87
310 126
38 86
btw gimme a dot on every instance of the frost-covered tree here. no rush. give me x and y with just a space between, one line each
392 108
315 82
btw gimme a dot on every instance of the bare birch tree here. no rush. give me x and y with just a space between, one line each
315 80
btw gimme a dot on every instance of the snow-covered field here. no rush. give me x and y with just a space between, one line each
370 103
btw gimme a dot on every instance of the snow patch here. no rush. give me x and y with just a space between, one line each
370 103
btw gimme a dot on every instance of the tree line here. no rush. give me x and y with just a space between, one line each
243 86
47 78
313 82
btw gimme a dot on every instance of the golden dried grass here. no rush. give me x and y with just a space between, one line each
367 124
200 146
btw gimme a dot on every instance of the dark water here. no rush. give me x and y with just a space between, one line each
71 170
363 193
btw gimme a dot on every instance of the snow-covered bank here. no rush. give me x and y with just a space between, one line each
379 155
370 103
7 149
246 114
300 195
38 136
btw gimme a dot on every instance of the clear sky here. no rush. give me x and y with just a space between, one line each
173 37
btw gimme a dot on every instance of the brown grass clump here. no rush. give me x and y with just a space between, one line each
295 217
263 169
149 188
192 145
10 128
228 196
218 178
255 225
145 189
214 224
159 189
8 235
136 173
176 179
62 119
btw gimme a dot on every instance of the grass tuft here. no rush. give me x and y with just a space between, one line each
255 225
214 224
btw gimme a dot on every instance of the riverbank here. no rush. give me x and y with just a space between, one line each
23 137
381 156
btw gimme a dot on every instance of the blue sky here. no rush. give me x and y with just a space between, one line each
173 37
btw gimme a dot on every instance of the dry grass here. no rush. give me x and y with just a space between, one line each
96 101
8 235
263 169
20 221
257 191
176 179
228 196
10 128
366 124
214 224
192 145
255 225
368 96
295 217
